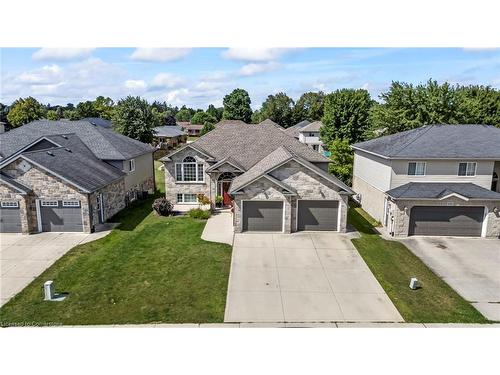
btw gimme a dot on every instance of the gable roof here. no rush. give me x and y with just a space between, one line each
4 179
227 160
275 159
312 127
225 122
438 142
168 131
75 163
102 141
294 130
247 144
440 190
268 121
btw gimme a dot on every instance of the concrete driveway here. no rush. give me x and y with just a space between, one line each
24 257
303 277
471 266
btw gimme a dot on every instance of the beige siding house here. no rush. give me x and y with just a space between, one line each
434 180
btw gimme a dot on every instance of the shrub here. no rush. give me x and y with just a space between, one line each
203 199
163 207
198 213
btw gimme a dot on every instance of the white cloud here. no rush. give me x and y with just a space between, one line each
167 80
256 68
256 54
135 84
159 54
44 75
61 54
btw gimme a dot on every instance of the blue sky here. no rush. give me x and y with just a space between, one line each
201 76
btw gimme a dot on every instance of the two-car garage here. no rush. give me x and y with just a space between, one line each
269 216
446 221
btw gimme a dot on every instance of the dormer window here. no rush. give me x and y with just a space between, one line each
467 169
189 170
416 168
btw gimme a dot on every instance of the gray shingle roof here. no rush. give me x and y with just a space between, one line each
276 158
75 163
438 190
312 127
438 142
268 121
168 131
4 179
294 130
247 144
99 121
102 141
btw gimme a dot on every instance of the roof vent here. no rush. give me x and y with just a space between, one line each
64 136
50 153
67 149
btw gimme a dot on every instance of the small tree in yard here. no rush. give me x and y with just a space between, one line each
203 200
342 160
135 118
163 207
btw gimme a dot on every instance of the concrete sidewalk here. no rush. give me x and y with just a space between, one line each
219 228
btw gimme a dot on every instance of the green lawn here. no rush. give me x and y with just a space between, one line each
149 269
159 178
393 265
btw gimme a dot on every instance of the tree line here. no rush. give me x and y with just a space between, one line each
348 115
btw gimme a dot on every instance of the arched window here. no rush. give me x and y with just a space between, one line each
189 170
226 176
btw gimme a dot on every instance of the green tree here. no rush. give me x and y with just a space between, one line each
4 111
52 115
309 107
478 105
237 106
103 107
169 120
207 126
183 115
86 109
135 118
23 111
215 112
407 107
346 114
342 160
278 108
200 118
71 114
256 117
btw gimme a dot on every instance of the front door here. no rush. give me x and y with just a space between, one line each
225 195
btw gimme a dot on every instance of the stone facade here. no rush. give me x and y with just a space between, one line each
113 201
9 194
402 217
172 187
305 182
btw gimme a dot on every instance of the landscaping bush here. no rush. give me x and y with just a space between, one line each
163 207
198 213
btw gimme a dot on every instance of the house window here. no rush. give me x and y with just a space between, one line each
10 204
131 165
187 198
50 203
189 170
71 203
316 147
416 168
467 169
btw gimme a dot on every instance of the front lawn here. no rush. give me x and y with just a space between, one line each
149 269
393 265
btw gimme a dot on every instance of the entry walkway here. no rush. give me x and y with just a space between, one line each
219 228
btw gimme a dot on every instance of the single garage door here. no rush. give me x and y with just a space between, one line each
61 216
317 215
10 217
263 216
446 221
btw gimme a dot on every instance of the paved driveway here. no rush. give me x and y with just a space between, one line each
471 266
303 277
24 257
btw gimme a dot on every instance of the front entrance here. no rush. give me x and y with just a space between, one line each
223 184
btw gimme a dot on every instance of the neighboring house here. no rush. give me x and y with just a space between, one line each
294 130
272 181
167 137
309 135
434 180
69 175
191 129
2 127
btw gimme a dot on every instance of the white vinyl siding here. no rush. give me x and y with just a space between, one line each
467 169
372 169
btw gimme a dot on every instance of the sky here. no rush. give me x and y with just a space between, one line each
198 77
